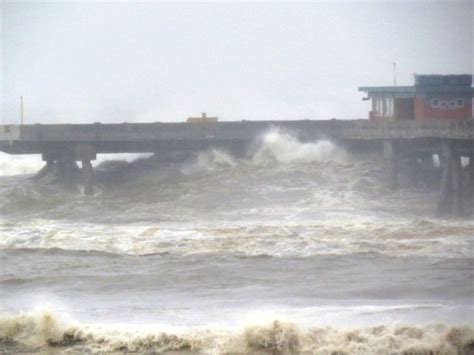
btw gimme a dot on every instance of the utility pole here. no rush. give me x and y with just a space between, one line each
21 109
394 74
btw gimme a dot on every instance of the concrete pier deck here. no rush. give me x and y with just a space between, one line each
61 145
151 137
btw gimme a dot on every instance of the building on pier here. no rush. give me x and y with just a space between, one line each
433 97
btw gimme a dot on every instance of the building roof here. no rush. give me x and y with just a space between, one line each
411 91
387 89
431 84
397 91
431 80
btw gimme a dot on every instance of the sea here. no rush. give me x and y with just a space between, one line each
293 248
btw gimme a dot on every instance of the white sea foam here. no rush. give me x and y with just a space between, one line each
278 146
46 332
19 164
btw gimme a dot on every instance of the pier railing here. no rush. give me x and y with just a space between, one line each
405 129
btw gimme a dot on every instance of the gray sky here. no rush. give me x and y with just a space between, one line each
124 61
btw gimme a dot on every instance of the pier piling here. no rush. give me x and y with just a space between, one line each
87 175
391 163
48 168
471 171
458 196
451 197
445 195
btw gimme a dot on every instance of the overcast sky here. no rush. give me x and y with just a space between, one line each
123 61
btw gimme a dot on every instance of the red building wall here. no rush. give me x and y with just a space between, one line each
424 110
419 108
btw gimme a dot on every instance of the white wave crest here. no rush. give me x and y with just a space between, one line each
278 146
19 164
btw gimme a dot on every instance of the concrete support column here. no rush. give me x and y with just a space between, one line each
45 170
470 174
458 191
85 153
427 161
61 162
451 197
471 168
445 195
391 163
60 169
69 169
87 176
414 170
427 169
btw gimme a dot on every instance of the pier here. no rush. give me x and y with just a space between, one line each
63 145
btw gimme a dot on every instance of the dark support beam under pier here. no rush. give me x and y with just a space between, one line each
61 162
426 161
445 195
391 161
471 168
85 153
451 197
414 170
458 191
87 177
70 170
64 167
470 173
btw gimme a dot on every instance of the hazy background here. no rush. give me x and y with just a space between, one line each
124 61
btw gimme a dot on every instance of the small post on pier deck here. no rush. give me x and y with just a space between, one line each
391 163
87 174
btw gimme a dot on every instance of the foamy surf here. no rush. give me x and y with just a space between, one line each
298 239
43 331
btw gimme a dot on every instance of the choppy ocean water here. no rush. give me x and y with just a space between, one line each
297 248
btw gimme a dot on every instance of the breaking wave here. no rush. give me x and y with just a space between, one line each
275 147
278 146
19 165
43 331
